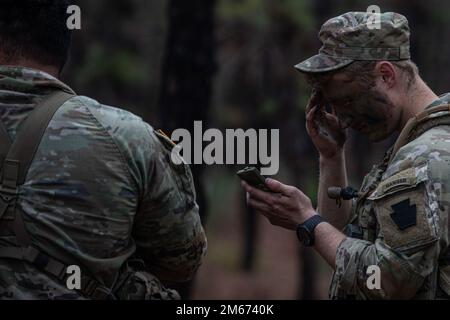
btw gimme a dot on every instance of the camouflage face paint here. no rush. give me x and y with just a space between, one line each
373 115
366 110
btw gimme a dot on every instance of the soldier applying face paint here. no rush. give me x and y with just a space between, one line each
397 221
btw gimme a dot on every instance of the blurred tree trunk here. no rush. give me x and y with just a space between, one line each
186 86
307 280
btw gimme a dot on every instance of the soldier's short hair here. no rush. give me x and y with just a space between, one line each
35 30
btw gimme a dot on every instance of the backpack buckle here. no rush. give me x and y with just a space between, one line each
95 291
7 197
10 174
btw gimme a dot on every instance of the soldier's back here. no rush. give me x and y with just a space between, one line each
82 189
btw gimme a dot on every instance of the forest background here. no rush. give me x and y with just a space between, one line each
229 63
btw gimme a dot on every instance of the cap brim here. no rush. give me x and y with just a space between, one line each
322 63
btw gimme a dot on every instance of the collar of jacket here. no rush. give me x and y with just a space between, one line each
28 81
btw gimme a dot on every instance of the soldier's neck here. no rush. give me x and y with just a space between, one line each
53 71
417 99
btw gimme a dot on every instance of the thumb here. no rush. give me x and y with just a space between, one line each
277 186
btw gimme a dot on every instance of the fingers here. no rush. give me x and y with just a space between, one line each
311 114
311 124
280 195
316 120
311 103
259 202
284 210
331 117
314 100
278 187
335 123
260 195
258 205
333 110
320 118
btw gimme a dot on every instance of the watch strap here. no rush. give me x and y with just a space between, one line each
310 225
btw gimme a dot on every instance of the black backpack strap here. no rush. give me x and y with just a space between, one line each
90 287
16 159
5 142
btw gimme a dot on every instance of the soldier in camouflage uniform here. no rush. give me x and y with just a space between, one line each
398 221
101 191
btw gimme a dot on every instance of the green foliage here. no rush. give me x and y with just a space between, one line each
298 12
268 108
259 12
250 11
121 67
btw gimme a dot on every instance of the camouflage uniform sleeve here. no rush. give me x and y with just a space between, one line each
411 207
167 229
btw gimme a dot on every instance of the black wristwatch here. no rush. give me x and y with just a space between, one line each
305 231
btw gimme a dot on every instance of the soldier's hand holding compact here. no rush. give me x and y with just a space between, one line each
287 207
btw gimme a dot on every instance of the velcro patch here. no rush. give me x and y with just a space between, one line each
404 215
403 179
403 218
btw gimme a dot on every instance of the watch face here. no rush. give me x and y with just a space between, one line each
304 236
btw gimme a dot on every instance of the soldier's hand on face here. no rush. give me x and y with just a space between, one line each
324 128
287 207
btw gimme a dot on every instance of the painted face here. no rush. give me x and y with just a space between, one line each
368 111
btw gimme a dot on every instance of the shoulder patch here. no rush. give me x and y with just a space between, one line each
405 179
404 214
402 179
400 206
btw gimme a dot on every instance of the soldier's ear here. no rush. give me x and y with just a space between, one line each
387 72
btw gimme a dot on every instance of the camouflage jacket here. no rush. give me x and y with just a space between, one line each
101 188
402 226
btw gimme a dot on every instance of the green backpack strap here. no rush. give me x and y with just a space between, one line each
16 158
23 149
421 123
21 153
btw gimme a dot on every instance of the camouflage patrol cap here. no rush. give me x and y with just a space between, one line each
347 38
